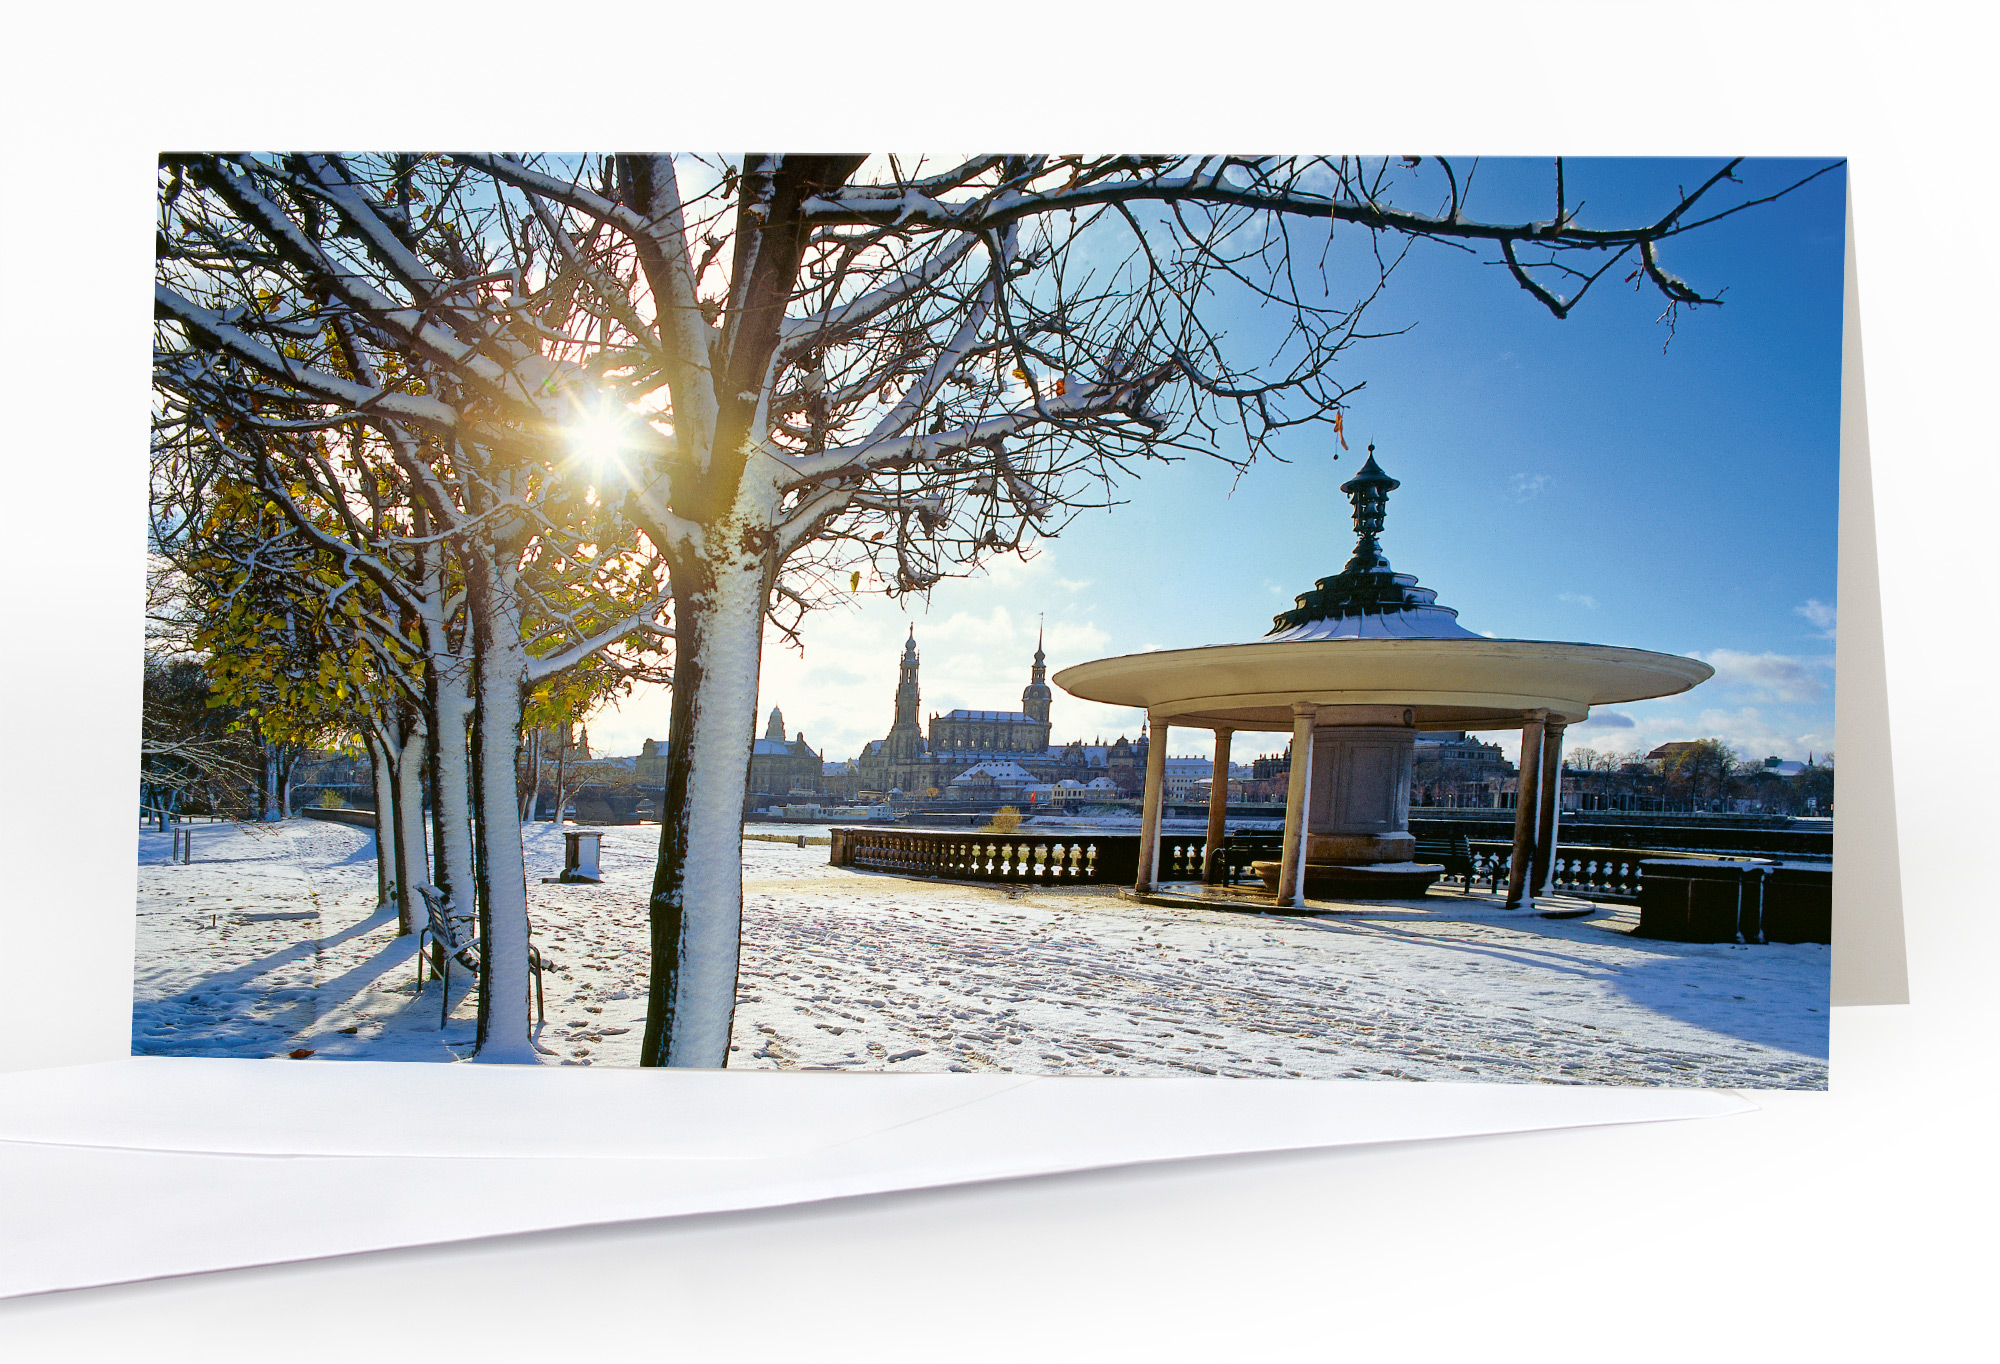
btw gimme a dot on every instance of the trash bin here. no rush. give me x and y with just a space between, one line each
580 848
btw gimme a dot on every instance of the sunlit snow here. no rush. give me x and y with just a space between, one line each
270 943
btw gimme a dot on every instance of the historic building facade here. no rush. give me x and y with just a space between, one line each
778 766
1457 770
781 766
981 749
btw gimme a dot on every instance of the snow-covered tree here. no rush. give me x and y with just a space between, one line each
290 638
793 371
477 570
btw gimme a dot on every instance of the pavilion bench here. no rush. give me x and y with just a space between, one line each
1454 853
1243 847
454 946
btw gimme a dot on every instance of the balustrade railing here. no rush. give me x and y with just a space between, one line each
1182 857
1598 873
1057 858
1611 874
1044 859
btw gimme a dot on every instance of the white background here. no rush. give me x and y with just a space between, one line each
1854 1224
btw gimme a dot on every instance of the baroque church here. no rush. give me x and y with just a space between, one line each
778 766
971 752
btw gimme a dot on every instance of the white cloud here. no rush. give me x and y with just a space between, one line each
1753 730
1034 567
1755 736
1784 678
1525 486
1578 599
1823 617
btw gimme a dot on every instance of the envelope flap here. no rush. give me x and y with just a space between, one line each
378 1109
363 1108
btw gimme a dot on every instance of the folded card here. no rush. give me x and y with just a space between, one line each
498 470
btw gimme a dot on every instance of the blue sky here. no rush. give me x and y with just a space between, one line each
1561 480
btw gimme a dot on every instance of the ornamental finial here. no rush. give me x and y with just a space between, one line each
1369 490
1367 586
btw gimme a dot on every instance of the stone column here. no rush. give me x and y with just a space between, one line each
1549 813
1291 869
1215 869
1149 818
1526 806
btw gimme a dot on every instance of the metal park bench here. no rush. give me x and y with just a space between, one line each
444 934
1454 854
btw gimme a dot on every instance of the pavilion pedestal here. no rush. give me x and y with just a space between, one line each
1359 880
1357 842
1400 846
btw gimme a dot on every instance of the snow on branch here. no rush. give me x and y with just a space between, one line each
208 327
835 324
647 621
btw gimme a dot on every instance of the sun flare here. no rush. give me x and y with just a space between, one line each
601 438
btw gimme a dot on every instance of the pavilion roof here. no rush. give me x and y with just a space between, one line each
1372 641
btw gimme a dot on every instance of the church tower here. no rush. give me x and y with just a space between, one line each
776 728
1035 697
906 739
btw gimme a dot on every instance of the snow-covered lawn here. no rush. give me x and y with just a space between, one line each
270 942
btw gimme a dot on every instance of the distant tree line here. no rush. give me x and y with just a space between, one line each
1710 774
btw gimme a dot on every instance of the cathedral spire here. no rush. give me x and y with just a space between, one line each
1035 696
905 739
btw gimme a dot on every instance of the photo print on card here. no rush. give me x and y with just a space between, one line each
1317 617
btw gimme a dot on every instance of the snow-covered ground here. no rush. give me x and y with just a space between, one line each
270 943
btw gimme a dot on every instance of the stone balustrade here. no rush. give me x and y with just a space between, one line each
1613 875
1054 859
1791 904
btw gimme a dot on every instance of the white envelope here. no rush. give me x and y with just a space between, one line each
141 1168
157 1166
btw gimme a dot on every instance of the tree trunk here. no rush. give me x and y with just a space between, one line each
500 668
697 901
412 862
451 785
385 822
562 795
531 801
447 712
267 806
